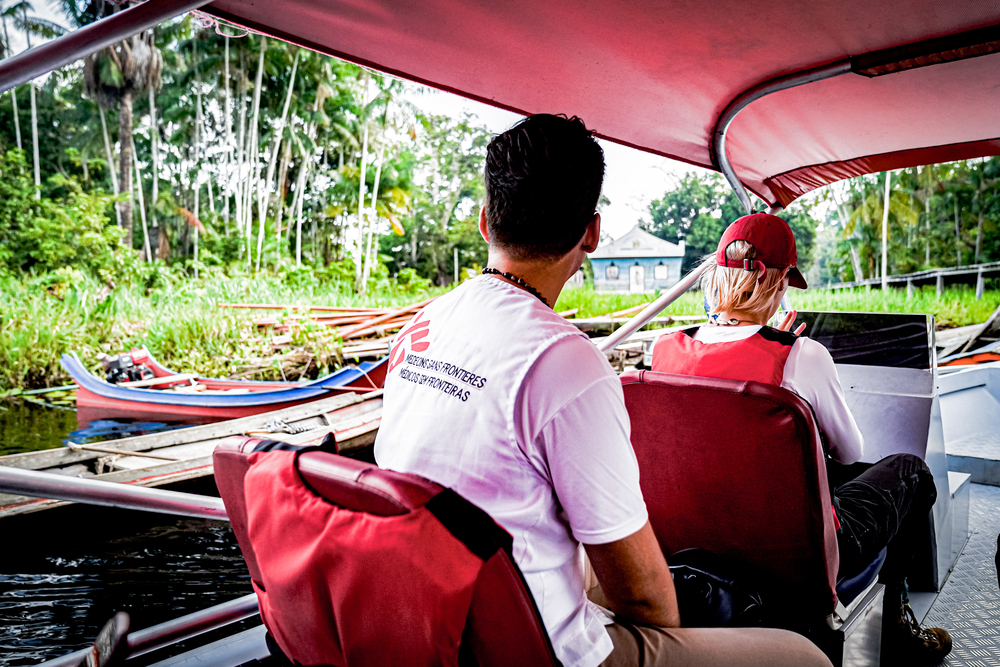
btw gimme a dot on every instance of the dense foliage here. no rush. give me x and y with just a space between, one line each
699 209
939 216
246 152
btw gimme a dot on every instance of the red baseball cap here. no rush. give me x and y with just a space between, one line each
774 241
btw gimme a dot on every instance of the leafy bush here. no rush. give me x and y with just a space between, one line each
74 230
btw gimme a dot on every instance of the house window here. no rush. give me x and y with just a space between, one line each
611 273
660 271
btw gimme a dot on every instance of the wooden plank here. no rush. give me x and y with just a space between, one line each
63 456
369 324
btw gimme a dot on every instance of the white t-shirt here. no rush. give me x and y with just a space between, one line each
492 394
810 373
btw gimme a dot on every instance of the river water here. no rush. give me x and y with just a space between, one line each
65 572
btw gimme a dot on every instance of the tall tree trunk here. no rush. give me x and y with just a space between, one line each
198 153
17 123
253 149
111 162
34 116
154 145
125 173
272 160
980 192
927 214
298 214
228 155
373 220
13 91
142 205
240 176
958 235
282 190
885 231
34 141
360 247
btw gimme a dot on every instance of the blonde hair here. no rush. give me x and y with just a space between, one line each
736 290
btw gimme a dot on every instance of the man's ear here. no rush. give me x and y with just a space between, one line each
592 237
484 228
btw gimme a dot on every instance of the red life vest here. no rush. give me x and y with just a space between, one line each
327 571
760 358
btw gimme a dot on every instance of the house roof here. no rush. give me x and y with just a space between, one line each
637 244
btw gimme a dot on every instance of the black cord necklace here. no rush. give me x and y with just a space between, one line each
517 281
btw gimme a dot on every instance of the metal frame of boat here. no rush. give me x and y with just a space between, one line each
179 455
226 399
781 97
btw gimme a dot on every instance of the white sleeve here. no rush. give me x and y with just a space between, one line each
811 373
572 412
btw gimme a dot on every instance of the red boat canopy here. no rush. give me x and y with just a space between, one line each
659 75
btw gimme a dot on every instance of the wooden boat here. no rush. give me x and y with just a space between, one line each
209 399
179 455
781 97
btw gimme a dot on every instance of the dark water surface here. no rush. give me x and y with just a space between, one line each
65 572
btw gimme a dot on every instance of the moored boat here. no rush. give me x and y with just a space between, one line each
185 395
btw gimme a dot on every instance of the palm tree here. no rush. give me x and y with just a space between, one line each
113 76
32 25
7 52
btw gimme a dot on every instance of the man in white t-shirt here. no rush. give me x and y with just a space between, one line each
492 394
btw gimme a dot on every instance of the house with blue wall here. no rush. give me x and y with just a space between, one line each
637 262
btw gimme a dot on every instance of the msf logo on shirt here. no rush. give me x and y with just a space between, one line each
409 340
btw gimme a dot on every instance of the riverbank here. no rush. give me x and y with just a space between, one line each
179 320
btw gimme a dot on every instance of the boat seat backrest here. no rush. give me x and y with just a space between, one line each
502 626
737 468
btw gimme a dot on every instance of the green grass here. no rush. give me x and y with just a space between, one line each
956 307
179 320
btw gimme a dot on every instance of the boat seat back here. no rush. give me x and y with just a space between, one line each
501 626
737 468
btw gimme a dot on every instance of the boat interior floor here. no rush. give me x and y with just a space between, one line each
969 604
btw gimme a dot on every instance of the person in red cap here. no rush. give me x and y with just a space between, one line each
887 504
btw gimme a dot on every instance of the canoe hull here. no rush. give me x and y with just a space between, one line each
96 398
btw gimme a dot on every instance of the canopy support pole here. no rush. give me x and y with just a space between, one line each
109 494
92 38
652 310
719 155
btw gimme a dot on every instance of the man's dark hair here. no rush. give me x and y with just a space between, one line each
543 179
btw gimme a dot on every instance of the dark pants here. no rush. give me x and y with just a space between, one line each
886 505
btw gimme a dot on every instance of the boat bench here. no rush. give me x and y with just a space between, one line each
503 626
738 468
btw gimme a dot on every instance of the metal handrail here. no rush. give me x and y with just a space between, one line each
173 631
652 310
92 38
751 95
109 494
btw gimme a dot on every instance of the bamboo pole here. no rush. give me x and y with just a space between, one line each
351 333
